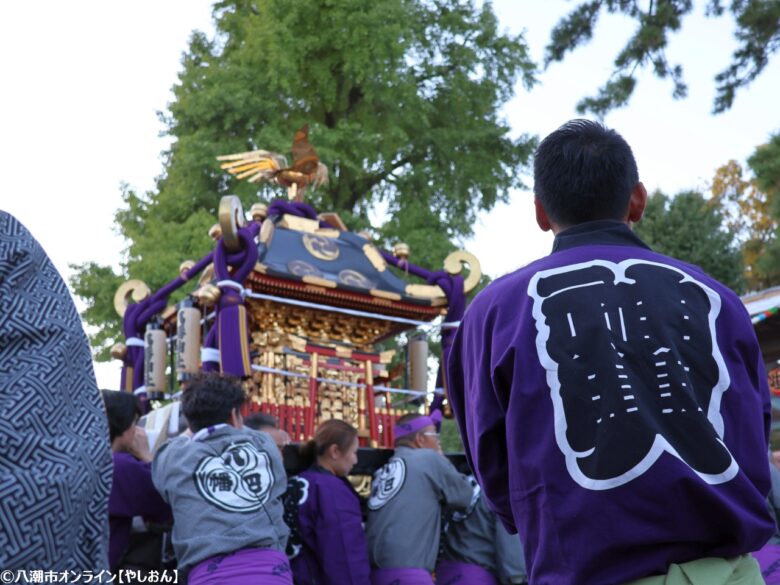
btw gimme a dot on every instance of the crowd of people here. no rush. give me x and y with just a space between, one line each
237 518
613 405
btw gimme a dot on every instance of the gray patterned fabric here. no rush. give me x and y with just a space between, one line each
55 459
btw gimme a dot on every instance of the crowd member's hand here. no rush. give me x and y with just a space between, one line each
140 446
776 458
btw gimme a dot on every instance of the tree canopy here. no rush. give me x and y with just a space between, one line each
757 34
402 98
749 197
748 213
693 229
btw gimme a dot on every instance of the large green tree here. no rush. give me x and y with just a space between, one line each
403 100
765 165
757 34
748 213
693 229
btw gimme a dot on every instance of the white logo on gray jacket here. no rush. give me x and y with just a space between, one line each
388 481
238 480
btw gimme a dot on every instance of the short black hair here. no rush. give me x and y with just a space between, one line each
210 398
584 172
260 421
122 409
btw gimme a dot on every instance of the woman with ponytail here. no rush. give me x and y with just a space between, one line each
332 546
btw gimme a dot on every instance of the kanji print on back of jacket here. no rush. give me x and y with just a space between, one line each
634 369
239 479
388 481
55 469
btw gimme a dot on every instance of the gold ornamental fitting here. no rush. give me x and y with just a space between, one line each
231 218
207 295
401 250
215 232
258 211
118 351
135 289
454 263
186 266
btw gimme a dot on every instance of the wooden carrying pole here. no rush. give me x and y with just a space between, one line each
372 423
312 410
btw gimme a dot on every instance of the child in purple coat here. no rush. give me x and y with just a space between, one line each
332 549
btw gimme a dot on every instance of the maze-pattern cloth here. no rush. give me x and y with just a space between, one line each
55 459
615 409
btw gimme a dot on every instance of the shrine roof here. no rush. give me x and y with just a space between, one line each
339 260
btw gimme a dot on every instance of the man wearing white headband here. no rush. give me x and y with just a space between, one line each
407 496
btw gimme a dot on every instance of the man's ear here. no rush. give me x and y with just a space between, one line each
637 203
236 420
541 216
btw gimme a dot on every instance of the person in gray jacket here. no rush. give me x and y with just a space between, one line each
405 507
478 550
224 485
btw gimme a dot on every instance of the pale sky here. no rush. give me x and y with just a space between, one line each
83 80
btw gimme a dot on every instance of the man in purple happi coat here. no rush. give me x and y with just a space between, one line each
613 401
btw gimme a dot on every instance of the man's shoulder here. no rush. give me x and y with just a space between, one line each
505 288
697 273
260 438
125 461
320 478
427 460
171 448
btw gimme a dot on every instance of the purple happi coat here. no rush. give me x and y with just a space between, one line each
132 494
614 405
334 550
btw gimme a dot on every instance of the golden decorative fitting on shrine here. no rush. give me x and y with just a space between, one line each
119 351
263 165
401 251
454 263
207 295
215 232
231 219
258 211
186 266
135 289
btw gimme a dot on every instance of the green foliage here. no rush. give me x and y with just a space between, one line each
747 210
450 437
402 99
757 32
765 164
96 285
691 228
